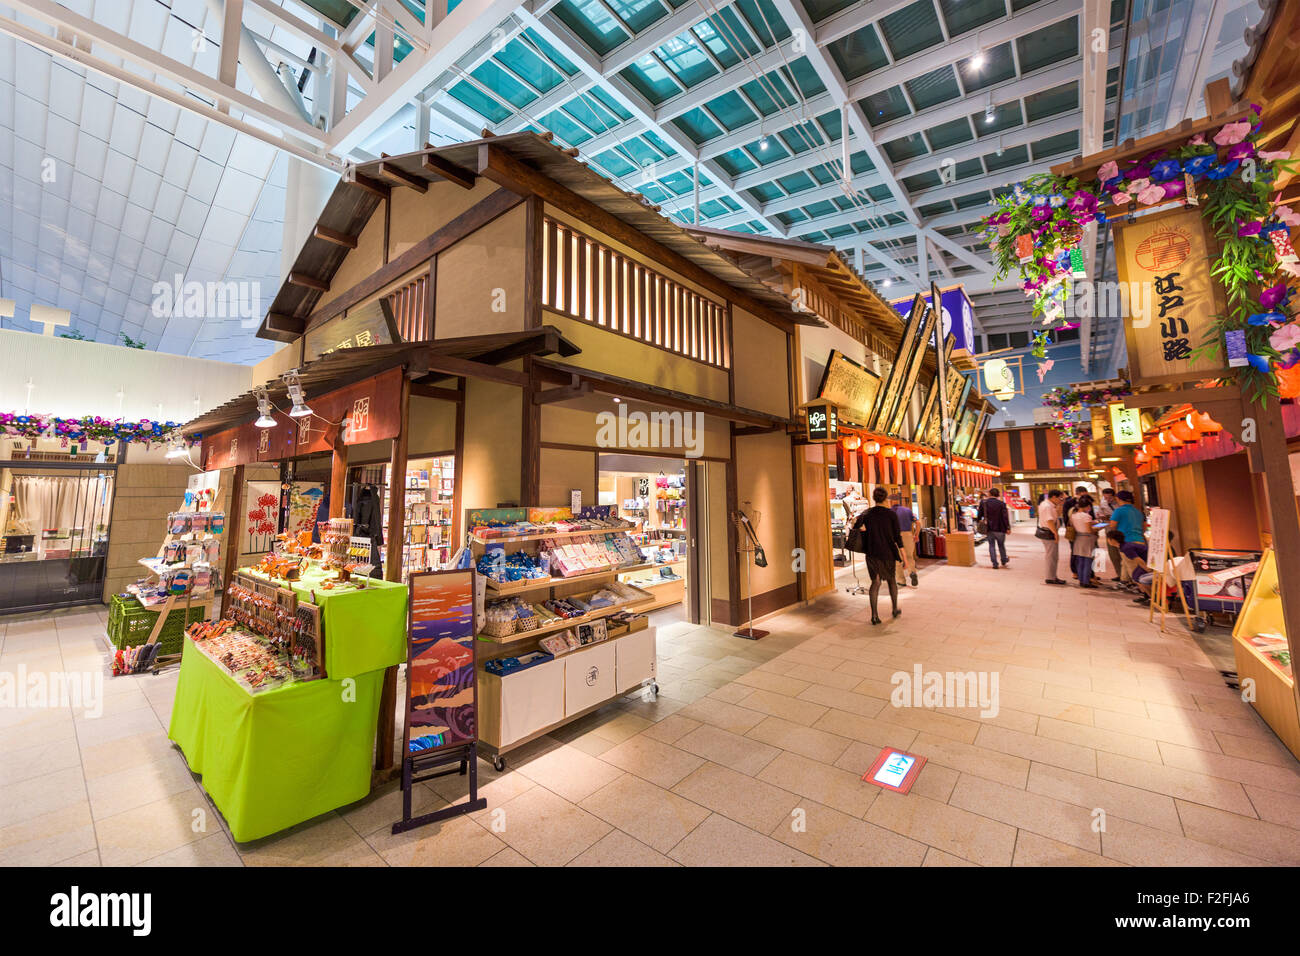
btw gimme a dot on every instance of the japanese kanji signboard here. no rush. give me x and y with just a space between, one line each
1164 265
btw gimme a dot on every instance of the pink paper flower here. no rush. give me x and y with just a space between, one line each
1197 140
1287 215
1108 171
1232 133
1274 154
1121 198
1137 185
1152 194
1287 337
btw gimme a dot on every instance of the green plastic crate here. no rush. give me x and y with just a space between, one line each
130 623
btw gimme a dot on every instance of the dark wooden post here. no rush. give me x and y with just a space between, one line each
393 572
338 477
234 531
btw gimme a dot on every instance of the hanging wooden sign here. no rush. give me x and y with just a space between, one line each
851 387
1164 262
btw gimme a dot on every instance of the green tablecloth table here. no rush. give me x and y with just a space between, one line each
277 758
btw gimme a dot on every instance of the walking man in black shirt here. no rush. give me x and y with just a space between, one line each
884 545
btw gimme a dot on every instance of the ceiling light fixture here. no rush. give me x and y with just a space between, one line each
294 385
990 114
176 446
977 61
264 419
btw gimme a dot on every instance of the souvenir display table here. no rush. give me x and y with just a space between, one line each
275 758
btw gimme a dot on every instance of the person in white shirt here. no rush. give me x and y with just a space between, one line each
1049 526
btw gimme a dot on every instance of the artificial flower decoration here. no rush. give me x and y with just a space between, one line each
1242 150
1137 185
1287 337
1222 171
1173 188
1108 171
1249 229
1083 202
1122 199
1197 140
1258 362
1166 170
1151 194
1273 295
1232 133
1264 318
1273 155
1288 215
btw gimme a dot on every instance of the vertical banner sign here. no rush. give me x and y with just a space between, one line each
850 386
1165 258
440 685
945 426
927 412
823 423
904 400
907 342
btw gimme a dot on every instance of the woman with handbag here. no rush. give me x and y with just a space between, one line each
1048 526
1083 540
876 534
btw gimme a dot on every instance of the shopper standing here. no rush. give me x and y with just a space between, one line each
1049 526
998 522
882 546
1105 508
1085 540
907 522
1128 520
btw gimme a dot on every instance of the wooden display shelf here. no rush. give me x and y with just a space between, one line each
596 615
521 538
536 584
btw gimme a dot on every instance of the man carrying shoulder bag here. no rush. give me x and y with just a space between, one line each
1049 522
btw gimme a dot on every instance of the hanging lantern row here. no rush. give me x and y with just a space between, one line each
1184 431
901 453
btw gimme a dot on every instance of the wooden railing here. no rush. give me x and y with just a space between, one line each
587 280
410 310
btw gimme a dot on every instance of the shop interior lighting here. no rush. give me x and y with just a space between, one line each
264 419
300 408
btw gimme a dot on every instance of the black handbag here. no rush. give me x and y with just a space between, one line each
1044 533
857 540
981 527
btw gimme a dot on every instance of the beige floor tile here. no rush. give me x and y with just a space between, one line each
1259 749
116 793
152 829
754 803
793 709
660 763
1174 732
731 693
1146 807
1035 850
38 795
1097 738
1285 779
507 857
973 759
1283 808
49 837
719 841
868 730
930 722
838 789
716 713
1265 841
456 841
38 760
776 683
383 807
616 848
818 745
731 750
216 849
1185 784
569 772
671 729
960 832
656 817
1137 845
842 839
546 828
1040 749
1024 810
936 857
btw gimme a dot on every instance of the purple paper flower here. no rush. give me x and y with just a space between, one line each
1242 150
1166 170
1274 294
1083 202
1248 229
1040 213
1172 188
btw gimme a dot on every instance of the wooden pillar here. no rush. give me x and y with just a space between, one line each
393 572
234 531
338 477
1285 519
530 450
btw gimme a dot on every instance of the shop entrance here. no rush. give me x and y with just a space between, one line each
659 495
55 519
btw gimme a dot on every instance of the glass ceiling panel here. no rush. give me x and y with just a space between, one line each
719 44
912 29
760 14
997 66
592 23
638 14
859 53
1011 156
524 60
885 106
697 125
804 77
962 16
937 86
503 84
730 110
684 57
1050 45
821 9
908 147
480 102
949 134
1059 99
734 162
650 79
553 56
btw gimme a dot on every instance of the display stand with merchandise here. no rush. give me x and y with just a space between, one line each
184 571
560 636
278 743
1262 652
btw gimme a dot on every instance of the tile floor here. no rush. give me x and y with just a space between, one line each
751 755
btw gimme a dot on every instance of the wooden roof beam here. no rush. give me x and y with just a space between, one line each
336 237
401 177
